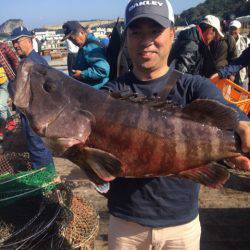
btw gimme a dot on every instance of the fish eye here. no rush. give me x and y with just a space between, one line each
49 87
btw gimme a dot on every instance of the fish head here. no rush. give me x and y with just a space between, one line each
43 95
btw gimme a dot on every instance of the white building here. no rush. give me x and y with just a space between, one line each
101 32
42 35
245 21
49 39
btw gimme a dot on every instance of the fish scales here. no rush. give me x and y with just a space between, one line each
123 138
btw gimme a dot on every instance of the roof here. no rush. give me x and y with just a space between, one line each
244 19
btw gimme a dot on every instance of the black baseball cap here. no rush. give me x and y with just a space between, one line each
20 32
70 28
159 11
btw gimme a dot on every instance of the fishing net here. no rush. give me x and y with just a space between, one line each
37 212
17 186
17 179
12 162
14 157
55 220
13 136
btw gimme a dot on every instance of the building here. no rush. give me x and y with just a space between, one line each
101 32
245 21
50 39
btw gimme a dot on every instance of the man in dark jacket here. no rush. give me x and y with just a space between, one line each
223 52
190 52
235 66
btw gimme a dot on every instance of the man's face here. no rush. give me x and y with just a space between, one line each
79 38
210 34
234 32
149 44
22 45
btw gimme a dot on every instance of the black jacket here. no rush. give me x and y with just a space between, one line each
190 53
223 51
236 65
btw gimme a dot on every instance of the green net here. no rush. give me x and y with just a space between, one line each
16 186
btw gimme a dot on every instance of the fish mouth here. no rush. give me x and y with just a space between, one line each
69 142
58 146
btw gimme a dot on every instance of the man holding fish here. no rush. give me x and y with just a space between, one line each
158 213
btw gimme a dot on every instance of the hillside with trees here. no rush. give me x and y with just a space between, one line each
221 8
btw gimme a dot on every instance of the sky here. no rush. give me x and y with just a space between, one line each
37 13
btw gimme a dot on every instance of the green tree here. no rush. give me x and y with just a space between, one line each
221 8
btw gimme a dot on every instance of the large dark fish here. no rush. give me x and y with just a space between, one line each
109 137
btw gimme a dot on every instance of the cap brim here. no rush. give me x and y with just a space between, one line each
220 33
67 36
17 37
163 21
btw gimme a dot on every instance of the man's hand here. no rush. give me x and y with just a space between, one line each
240 162
243 131
77 74
231 78
243 162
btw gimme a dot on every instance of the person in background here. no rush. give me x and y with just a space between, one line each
162 212
34 42
88 29
72 55
191 53
40 156
223 52
105 40
235 66
91 64
242 43
8 68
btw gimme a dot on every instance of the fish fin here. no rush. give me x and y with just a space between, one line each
105 165
153 102
123 95
100 185
96 162
212 112
104 188
93 177
202 110
213 175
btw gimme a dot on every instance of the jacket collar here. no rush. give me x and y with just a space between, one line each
200 32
